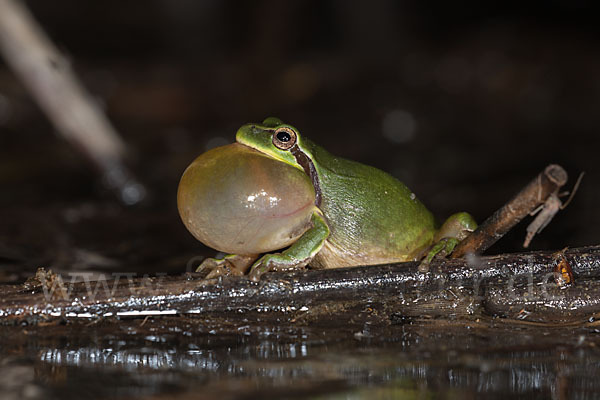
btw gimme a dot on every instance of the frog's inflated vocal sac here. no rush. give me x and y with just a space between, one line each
275 189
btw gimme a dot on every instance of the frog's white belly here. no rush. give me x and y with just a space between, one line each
330 256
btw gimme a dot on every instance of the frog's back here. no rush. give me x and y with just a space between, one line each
373 217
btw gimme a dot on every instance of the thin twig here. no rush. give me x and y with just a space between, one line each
532 196
73 112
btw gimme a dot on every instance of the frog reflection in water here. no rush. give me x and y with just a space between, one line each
275 189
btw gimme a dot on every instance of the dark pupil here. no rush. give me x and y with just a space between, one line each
283 136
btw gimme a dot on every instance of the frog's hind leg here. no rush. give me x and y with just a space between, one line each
457 227
229 265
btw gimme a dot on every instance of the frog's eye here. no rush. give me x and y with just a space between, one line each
284 138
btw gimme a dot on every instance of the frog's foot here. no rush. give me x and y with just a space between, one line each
212 268
230 265
439 250
275 263
457 227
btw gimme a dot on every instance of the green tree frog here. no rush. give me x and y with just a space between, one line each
274 190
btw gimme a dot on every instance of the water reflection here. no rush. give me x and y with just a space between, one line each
401 362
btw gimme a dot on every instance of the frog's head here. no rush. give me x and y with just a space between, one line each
282 142
273 138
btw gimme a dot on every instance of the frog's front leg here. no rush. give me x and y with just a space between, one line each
457 227
229 265
298 255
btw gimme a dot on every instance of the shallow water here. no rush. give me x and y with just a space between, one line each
163 357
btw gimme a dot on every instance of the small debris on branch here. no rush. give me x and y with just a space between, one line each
547 211
563 273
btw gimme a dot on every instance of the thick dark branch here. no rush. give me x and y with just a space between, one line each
459 287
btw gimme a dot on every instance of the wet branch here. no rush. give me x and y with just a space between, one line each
519 286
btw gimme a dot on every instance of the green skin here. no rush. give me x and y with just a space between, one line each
364 215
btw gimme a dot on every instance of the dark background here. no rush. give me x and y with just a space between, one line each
463 102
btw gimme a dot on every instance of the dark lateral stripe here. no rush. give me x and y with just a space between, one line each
309 169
